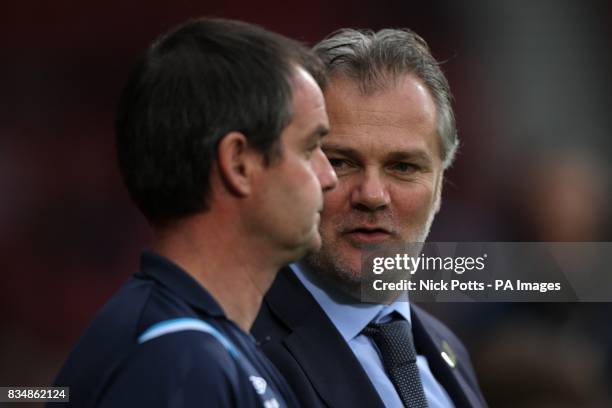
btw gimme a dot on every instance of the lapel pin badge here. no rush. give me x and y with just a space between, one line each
448 354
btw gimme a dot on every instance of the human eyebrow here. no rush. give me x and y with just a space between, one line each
332 148
321 131
315 136
416 155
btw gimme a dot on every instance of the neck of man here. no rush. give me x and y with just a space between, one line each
221 258
344 285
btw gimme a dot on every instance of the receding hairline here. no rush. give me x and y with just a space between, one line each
376 60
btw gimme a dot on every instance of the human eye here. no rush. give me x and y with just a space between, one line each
404 168
336 163
341 165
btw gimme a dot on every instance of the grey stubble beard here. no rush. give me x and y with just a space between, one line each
335 270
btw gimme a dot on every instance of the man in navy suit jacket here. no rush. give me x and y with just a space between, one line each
392 136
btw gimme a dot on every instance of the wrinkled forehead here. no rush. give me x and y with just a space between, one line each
399 118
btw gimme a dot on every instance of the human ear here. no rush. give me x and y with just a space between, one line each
236 163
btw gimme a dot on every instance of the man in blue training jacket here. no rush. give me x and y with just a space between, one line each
219 142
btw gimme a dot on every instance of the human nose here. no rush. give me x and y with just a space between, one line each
370 192
324 171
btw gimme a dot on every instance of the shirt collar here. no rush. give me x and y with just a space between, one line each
349 317
174 278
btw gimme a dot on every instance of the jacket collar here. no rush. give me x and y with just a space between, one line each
326 359
336 374
178 281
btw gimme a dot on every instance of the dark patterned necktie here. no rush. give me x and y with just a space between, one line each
394 340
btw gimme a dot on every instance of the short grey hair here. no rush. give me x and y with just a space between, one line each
375 59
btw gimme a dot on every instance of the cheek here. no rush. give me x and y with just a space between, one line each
413 203
308 188
335 205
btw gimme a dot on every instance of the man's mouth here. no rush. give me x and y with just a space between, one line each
367 235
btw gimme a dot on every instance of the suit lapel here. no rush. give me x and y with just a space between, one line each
429 344
328 362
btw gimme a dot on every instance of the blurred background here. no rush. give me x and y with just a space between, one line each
533 100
